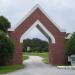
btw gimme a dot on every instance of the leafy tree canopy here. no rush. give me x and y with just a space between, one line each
4 24
6 44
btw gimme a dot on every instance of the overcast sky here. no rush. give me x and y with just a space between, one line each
61 11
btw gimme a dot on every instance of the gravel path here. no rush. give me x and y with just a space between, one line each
35 66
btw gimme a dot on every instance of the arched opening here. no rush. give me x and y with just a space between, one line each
42 29
50 39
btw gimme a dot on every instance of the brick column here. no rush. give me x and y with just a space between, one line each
17 55
56 54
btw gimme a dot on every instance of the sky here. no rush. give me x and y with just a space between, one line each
62 12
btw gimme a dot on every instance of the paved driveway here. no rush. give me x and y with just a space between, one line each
35 66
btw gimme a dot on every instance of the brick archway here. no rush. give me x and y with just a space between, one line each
56 47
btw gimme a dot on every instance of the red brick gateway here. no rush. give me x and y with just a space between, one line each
56 36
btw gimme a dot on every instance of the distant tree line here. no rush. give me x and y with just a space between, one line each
35 45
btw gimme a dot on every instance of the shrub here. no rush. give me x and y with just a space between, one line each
6 48
70 45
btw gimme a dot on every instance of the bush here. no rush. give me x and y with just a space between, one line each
70 45
35 49
45 49
6 48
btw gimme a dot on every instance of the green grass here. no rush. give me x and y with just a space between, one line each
11 68
44 55
25 57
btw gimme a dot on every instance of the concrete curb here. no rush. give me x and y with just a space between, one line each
66 67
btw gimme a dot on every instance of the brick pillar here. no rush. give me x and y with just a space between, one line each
17 56
56 54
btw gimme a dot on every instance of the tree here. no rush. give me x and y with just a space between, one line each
6 44
26 43
6 48
70 45
4 24
36 45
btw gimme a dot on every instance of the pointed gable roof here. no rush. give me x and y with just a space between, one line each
36 7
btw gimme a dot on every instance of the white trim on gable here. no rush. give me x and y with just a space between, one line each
69 36
43 27
30 12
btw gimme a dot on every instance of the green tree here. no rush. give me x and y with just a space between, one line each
36 45
26 43
6 44
4 24
6 48
70 45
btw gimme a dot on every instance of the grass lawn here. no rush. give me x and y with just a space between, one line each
7 69
44 55
25 57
